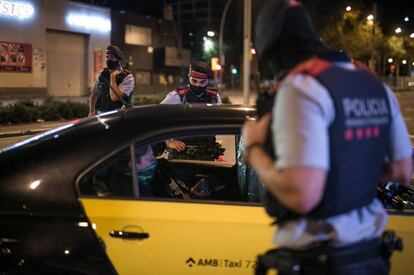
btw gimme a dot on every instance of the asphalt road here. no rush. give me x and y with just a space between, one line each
407 108
406 100
15 133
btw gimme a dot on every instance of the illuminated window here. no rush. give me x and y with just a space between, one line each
135 35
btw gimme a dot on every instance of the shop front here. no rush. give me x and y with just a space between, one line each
51 47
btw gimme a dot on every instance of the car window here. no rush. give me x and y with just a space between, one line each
209 167
112 178
396 196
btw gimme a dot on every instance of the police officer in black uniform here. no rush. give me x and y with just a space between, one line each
114 85
336 130
197 91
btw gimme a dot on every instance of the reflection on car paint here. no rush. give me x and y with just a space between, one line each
102 120
37 137
35 184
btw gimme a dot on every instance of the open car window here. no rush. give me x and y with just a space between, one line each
208 168
112 178
396 196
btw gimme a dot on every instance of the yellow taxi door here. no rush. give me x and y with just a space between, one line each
403 225
153 237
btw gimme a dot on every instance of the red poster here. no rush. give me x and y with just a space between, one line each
98 61
15 57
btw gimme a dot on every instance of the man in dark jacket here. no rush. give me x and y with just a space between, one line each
114 85
336 130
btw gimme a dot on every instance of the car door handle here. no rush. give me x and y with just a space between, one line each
128 235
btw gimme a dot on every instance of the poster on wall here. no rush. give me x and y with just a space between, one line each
15 57
98 62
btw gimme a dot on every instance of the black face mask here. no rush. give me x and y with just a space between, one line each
112 64
198 90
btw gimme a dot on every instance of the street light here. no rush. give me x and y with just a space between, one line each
371 23
390 60
404 61
211 33
221 34
348 8
247 32
208 44
412 35
406 19
398 30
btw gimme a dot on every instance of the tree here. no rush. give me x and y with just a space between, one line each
361 37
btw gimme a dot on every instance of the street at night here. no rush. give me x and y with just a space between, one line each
406 100
215 137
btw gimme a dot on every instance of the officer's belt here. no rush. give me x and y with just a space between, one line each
340 256
356 253
319 256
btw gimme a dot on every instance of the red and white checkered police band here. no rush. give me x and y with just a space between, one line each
198 75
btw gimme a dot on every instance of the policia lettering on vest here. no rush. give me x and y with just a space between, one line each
114 85
333 129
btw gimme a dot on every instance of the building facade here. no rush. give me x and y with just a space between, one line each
199 22
57 48
152 51
51 47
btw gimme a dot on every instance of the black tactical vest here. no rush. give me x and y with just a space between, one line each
187 96
358 139
103 102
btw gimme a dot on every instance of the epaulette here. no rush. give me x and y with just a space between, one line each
212 90
362 66
294 4
313 67
126 72
182 91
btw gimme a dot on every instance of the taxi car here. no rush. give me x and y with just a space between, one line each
101 195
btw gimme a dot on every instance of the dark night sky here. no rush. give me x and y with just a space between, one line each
144 7
393 13
390 12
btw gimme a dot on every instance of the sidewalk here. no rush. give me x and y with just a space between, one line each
15 130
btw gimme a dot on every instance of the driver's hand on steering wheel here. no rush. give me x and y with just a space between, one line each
175 144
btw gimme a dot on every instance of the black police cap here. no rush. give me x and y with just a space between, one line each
279 17
201 66
115 51
269 25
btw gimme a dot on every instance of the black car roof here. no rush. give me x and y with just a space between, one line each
56 158
157 115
